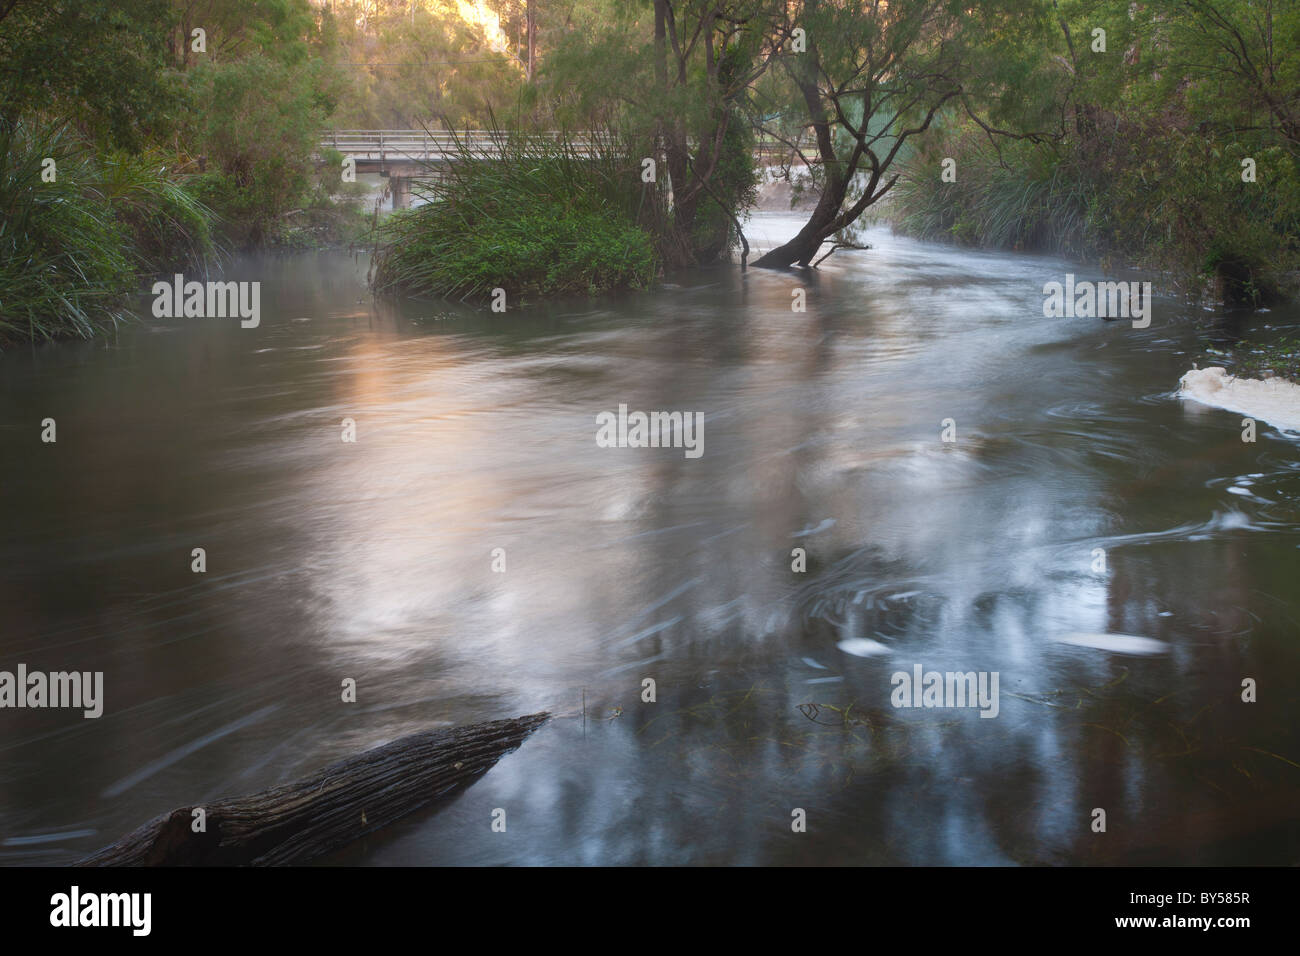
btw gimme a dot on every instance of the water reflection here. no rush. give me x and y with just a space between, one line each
372 560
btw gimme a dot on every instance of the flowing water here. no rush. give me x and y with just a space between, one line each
373 560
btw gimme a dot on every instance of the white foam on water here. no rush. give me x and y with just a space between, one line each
862 647
1116 643
1275 400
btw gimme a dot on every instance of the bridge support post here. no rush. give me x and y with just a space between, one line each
400 187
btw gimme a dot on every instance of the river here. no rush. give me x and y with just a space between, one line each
374 561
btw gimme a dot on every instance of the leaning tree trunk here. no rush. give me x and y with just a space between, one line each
801 249
296 822
821 223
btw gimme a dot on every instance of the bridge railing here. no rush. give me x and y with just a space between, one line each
406 143
418 144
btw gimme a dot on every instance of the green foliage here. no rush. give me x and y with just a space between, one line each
257 122
329 215
1019 198
533 218
673 86
284 30
64 265
873 78
1133 151
546 252
97 63
167 225
399 71
733 187
1178 202
1145 163
1256 360
73 249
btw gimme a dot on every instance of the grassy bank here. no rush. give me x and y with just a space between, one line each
79 230
84 226
1140 196
532 218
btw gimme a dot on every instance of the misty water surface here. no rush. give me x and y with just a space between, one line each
476 431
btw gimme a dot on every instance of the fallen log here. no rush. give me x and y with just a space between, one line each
296 822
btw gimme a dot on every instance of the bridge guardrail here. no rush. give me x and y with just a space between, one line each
383 144
414 144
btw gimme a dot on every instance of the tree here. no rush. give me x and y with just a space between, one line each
408 66
696 101
238 28
98 63
261 146
865 77
1239 59
670 75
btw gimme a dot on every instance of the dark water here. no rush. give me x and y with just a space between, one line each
373 561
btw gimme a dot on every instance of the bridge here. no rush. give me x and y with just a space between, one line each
401 155
377 146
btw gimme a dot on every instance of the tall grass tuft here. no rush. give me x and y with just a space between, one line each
1157 198
531 215
74 245
168 226
64 265
1028 200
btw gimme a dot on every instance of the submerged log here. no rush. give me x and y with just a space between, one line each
293 823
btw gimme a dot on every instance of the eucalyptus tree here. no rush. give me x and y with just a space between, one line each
670 76
707 55
1237 60
98 63
233 29
862 78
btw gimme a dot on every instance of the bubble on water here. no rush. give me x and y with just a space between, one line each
1231 520
862 647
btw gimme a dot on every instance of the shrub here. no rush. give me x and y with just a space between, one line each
531 217
1160 198
257 121
74 248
